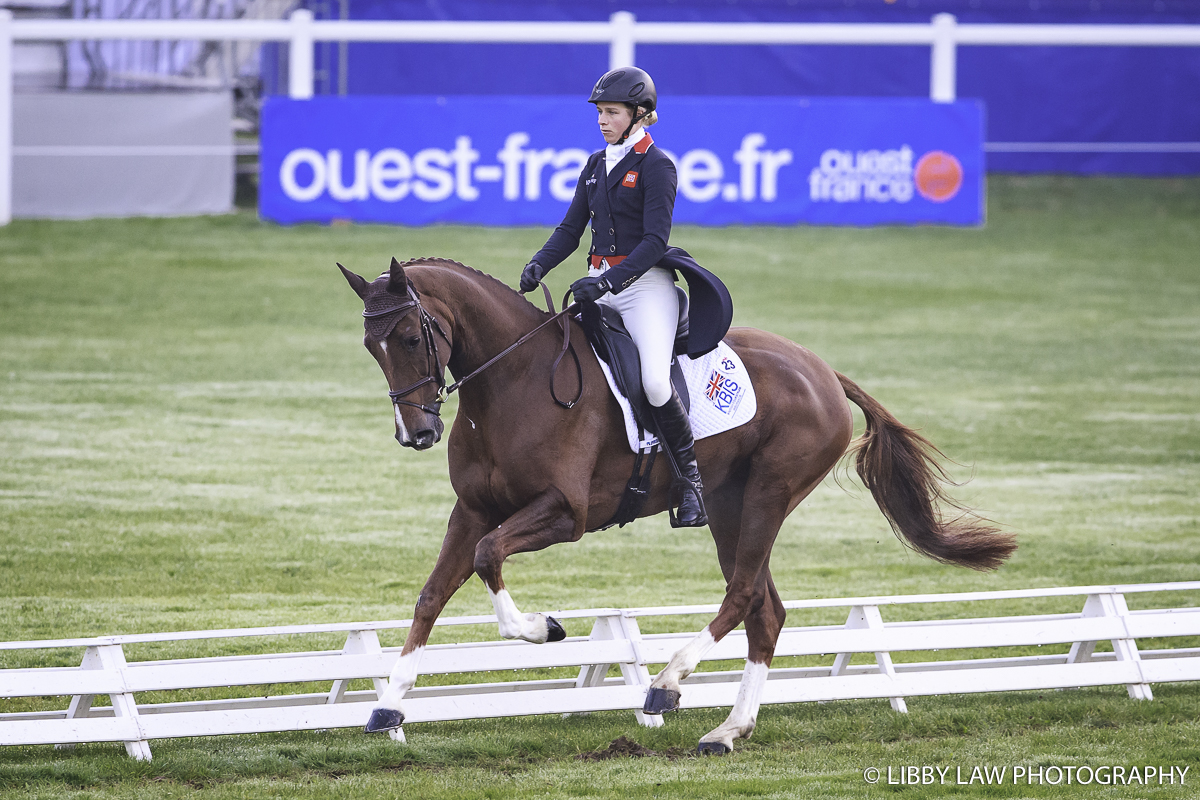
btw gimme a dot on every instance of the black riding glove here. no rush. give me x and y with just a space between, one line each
530 276
590 289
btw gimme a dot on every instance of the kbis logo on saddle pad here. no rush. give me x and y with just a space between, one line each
724 392
516 160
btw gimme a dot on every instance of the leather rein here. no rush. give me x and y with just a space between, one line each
430 324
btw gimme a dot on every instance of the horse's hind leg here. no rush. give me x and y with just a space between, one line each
744 548
724 520
763 625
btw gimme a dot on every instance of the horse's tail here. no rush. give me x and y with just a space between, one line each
900 468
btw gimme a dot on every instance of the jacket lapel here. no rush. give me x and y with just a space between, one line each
631 159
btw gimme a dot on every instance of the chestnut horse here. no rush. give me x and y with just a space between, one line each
530 473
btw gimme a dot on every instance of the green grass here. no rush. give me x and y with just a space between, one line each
192 436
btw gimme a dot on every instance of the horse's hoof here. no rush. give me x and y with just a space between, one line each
554 630
713 749
660 701
384 719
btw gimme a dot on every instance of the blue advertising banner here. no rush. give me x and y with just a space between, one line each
501 160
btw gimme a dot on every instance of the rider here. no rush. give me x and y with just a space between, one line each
627 193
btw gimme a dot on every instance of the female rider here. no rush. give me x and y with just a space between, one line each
627 193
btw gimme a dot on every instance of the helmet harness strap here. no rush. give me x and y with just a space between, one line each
634 120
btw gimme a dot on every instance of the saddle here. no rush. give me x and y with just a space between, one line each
606 333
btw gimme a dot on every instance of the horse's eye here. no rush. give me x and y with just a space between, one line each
412 342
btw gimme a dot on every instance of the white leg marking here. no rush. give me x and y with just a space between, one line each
684 662
741 720
514 624
404 677
403 431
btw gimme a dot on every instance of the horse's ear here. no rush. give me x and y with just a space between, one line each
397 282
357 282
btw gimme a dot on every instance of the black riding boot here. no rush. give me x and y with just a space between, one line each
675 430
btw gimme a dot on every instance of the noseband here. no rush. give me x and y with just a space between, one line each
429 324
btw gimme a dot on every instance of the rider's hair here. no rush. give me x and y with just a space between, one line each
648 119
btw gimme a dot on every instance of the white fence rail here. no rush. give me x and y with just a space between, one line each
615 641
622 33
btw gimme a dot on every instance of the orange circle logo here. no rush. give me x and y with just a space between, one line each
939 176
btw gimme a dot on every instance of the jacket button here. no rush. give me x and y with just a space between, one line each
593 231
612 231
593 213
612 249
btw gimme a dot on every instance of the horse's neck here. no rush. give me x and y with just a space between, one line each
487 318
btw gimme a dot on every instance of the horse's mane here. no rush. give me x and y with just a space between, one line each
496 283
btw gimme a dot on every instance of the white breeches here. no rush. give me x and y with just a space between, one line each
650 309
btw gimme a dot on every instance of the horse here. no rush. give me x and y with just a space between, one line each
530 472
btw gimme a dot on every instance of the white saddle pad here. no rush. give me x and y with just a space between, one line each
722 396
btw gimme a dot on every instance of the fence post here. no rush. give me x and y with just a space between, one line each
6 115
81 704
112 658
620 49
942 59
300 55
868 618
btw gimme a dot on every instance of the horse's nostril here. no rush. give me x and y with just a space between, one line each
425 438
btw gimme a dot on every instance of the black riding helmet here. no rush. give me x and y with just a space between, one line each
628 85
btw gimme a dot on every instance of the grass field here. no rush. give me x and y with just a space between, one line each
192 436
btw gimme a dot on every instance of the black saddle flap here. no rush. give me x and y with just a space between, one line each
607 334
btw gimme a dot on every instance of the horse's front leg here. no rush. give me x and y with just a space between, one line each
453 569
548 520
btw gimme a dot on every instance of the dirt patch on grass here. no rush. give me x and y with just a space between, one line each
623 747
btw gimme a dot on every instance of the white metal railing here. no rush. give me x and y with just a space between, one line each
622 33
616 640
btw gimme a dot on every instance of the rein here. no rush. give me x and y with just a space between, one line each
429 324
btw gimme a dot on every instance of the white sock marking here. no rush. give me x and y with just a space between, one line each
404 677
684 662
744 715
514 624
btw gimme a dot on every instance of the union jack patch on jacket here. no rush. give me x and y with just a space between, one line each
630 179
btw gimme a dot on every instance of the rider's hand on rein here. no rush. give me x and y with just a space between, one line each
531 276
590 289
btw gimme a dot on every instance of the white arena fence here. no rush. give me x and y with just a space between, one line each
615 641
622 33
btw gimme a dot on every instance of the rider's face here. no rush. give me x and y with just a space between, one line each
614 119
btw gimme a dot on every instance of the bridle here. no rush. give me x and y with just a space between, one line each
429 324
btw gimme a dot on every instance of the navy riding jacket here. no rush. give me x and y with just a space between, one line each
629 211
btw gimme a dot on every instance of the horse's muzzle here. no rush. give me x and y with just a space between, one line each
424 438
